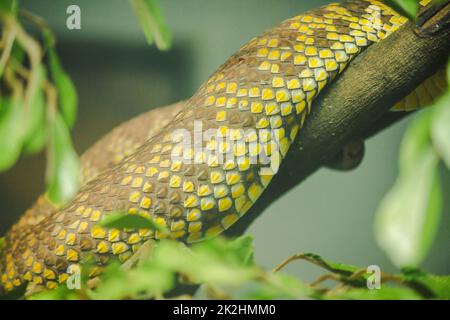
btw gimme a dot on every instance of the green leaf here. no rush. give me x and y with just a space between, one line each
63 168
170 256
438 285
18 53
213 261
67 98
278 286
340 268
67 95
415 141
408 7
9 6
208 269
147 281
238 251
408 216
36 142
243 248
35 116
121 220
440 131
60 293
152 23
11 131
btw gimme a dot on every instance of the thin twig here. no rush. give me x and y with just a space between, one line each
49 88
307 257
33 50
13 83
9 37
40 23
283 264
322 278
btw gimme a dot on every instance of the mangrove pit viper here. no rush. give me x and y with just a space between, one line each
252 108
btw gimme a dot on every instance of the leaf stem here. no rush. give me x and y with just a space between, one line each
9 37
33 50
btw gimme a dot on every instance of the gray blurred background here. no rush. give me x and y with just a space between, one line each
118 76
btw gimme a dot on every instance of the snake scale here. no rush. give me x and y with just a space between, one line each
253 107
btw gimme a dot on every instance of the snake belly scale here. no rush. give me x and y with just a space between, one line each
264 90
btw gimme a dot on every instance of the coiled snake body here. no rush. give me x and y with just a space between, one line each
254 105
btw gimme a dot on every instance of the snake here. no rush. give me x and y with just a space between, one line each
196 167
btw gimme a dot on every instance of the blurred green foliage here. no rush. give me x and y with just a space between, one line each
11 137
38 100
409 215
152 23
225 269
63 167
67 94
409 8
